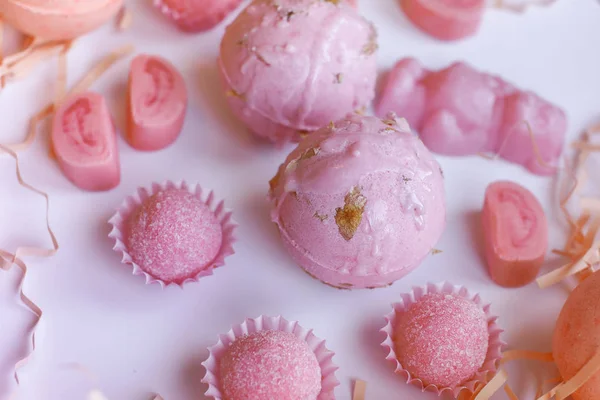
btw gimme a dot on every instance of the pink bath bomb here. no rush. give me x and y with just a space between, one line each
360 203
293 66
270 365
173 235
577 335
442 339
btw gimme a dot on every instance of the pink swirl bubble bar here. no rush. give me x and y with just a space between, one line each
85 142
460 111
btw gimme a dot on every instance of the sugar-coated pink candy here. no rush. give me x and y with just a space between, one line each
197 15
445 19
157 103
442 339
293 66
359 204
461 111
270 365
85 142
515 232
577 335
173 235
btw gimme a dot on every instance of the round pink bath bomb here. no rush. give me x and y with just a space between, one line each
173 236
270 365
442 339
360 203
292 67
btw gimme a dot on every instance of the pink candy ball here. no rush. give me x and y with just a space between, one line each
359 204
292 66
270 365
442 339
173 235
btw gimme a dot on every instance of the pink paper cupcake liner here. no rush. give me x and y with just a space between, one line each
134 201
324 356
496 345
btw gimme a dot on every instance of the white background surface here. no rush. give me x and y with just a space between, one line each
139 339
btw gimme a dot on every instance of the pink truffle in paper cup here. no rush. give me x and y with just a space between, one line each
443 339
292 66
270 358
196 15
173 233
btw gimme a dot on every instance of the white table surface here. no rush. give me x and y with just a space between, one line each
139 339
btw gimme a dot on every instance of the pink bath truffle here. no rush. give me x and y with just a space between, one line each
460 111
157 103
85 142
360 203
270 365
442 339
173 236
516 234
445 19
196 15
293 66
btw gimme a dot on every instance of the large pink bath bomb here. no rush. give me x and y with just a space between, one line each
270 365
173 235
577 335
293 66
442 339
360 203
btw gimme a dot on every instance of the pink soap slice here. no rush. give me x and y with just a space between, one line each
445 19
196 15
516 234
157 103
85 142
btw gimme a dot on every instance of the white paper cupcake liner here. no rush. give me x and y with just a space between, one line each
131 203
496 345
263 323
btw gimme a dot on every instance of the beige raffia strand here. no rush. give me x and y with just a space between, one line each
360 390
36 50
563 390
125 19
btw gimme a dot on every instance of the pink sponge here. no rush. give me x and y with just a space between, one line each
293 66
85 142
360 203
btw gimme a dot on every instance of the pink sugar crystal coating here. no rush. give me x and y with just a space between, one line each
173 235
270 365
445 19
292 66
197 15
442 339
461 111
359 204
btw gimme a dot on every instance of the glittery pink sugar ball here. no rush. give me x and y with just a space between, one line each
270 365
173 235
442 339
292 66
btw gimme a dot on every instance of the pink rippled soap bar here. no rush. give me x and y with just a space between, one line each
157 103
461 111
516 234
85 142
445 19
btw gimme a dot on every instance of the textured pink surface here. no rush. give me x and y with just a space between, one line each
157 103
173 235
380 167
270 365
197 15
516 234
442 339
85 142
577 335
290 69
65 19
460 111
445 19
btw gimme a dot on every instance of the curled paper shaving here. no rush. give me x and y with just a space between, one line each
509 392
520 6
35 50
360 390
125 19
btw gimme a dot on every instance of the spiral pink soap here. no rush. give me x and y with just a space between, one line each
360 203
442 339
270 365
196 15
292 66
173 235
